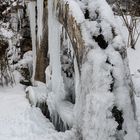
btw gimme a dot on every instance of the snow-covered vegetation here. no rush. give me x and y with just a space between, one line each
92 87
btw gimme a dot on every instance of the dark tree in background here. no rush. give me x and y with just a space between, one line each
129 6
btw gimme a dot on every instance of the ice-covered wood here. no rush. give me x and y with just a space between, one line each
103 88
72 27
97 40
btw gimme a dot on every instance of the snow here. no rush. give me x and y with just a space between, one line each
97 75
26 62
136 82
6 33
134 64
96 130
28 56
103 8
32 16
92 114
14 3
13 52
9 8
37 94
75 11
95 81
20 121
17 120
133 56
95 85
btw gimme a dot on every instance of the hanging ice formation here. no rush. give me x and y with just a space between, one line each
100 95
32 16
40 7
58 92
62 98
101 92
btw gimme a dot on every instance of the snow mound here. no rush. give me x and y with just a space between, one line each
37 94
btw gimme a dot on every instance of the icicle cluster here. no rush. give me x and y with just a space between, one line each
101 91
58 93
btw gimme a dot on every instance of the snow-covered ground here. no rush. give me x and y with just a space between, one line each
20 121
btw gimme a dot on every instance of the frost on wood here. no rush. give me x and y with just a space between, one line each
111 57
104 87
94 97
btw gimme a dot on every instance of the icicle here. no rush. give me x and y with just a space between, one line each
54 51
40 6
57 95
78 100
32 16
